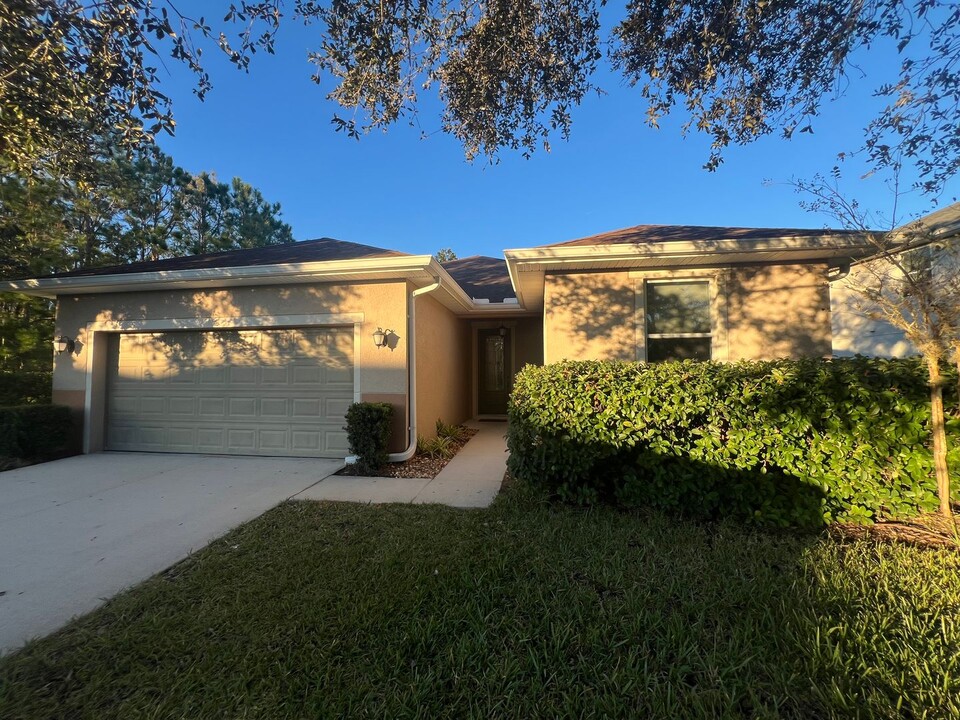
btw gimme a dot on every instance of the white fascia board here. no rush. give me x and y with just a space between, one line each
600 256
750 248
366 268
418 269
450 286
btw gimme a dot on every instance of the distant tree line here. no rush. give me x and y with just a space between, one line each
126 208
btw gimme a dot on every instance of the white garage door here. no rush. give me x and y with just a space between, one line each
237 392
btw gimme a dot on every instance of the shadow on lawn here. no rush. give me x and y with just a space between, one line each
526 609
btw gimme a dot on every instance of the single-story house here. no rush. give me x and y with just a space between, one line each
261 351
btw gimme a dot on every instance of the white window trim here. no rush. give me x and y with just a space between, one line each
97 333
717 279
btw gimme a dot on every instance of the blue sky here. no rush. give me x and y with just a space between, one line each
272 128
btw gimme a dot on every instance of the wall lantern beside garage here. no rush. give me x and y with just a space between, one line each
380 338
63 344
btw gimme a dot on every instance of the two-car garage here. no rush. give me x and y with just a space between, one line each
279 392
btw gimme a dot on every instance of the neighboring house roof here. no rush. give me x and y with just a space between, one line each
319 250
482 277
941 223
643 234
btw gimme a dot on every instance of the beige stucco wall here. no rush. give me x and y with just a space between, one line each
758 312
381 373
443 366
778 311
589 316
528 336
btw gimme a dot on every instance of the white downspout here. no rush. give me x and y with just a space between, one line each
412 373
411 378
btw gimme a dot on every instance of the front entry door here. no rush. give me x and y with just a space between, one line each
494 365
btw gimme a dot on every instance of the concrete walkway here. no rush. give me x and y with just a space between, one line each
471 480
75 532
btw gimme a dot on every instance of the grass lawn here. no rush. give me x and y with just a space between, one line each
522 610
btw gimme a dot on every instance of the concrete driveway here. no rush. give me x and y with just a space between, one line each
77 531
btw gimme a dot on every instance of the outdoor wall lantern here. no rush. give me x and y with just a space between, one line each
63 344
380 338
503 330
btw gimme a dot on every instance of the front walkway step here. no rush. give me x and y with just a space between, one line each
471 480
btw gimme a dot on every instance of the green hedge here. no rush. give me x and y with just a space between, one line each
800 443
368 432
34 431
25 388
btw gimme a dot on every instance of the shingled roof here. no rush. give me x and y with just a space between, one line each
642 234
305 251
482 277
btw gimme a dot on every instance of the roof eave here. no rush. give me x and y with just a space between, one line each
401 267
421 270
685 248
690 253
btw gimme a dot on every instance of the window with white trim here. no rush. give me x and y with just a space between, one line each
678 320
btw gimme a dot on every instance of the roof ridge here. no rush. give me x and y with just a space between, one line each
471 257
299 251
712 232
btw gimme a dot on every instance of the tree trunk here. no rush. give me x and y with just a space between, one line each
956 357
939 436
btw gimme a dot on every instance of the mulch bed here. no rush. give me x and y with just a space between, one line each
419 466
928 531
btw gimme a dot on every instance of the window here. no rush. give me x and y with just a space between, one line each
678 320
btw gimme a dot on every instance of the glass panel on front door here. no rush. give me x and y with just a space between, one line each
494 377
493 349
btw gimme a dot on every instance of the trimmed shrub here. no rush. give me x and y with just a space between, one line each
24 388
34 431
368 432
787 442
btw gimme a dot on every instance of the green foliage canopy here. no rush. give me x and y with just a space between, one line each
122 208
508 74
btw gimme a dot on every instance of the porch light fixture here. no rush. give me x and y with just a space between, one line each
503 330
380 338
63 344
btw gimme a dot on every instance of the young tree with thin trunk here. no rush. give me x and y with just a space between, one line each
910 280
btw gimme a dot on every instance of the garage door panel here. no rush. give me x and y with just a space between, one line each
262 392
210 440
307 408
272 407
305 375
150 436
336 442
337 407
242 408
273 440
243 375
273 375
212 407
181 376
305 440
181 439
